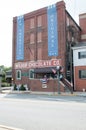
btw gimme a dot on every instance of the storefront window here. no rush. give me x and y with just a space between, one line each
31 73
18 74
82 74
49 75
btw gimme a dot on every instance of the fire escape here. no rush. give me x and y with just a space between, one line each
72 39
73 35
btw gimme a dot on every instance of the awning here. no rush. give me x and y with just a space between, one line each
45 70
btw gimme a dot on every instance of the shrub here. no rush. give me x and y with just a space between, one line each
15 87
22 88
5 85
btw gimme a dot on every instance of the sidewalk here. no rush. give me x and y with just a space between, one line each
80 94
46 93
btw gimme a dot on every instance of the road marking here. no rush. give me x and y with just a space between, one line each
2 95
3 127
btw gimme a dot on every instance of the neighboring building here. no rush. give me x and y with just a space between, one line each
8 76
42 40
79 57
82 22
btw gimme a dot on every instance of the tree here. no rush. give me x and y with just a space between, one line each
3 70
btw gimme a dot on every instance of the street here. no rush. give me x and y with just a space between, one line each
36 112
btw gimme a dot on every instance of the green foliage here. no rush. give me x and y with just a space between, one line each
3 79
7 68
4 84
3 69
22 88
15 87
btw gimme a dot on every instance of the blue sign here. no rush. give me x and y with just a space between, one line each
20 38
52 31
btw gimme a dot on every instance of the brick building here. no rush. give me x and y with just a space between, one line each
79 57
42 40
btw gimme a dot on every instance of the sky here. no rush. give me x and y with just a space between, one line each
12 8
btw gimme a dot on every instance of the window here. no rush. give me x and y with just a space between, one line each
39 54
32 56
18 74
67 21
32 25
31 73
82 74
82 54
39 37
31 38
39 21
50 75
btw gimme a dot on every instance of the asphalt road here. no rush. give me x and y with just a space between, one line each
42 112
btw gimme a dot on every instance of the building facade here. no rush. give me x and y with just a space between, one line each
42 40
79 57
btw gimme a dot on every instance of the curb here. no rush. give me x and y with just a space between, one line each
49 94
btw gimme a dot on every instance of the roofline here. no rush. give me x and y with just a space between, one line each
73 20
80 47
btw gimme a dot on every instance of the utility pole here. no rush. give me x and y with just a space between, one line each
0 80
71 69
58 69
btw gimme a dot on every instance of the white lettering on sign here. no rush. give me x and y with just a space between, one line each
56 63
38 64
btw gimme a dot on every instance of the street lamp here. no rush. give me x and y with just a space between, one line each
58 70
12 81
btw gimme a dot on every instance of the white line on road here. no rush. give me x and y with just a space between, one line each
3 127
2 95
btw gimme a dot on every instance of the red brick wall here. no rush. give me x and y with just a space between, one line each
36 85
43 46
82 22
79 83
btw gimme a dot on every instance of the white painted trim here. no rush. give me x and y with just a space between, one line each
83 36
80 47
82 16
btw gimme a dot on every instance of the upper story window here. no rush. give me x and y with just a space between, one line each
39 54
39 37
32 56
32 24
82 54
32 38
67 21
39 21
18 74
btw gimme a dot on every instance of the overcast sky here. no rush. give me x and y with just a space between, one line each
12 8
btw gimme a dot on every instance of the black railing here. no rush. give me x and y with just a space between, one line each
68 85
